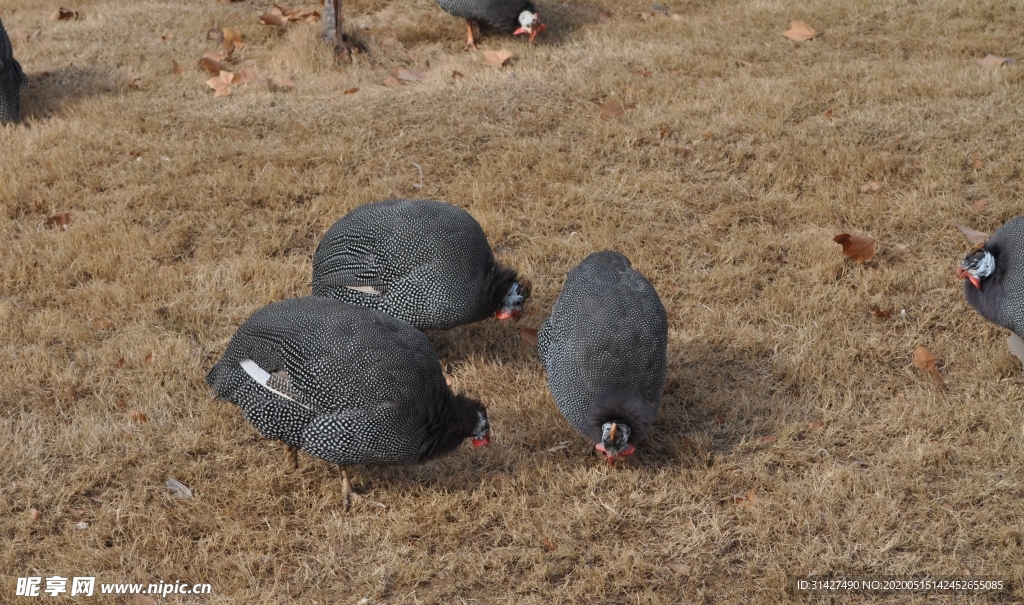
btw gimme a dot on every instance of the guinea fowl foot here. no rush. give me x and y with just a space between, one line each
470 43
349 496
291 456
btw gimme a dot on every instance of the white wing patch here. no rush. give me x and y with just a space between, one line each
260 375
365 290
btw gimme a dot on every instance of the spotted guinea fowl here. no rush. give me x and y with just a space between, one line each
993 275
516 16
12 78
604 348
345 384
424 262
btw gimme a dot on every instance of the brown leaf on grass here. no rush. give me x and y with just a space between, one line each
1016 346
211 62
528 337
925 360
221 84
800 32
137 416
120 405
991 61
352 91
134 81
102 323
881 314
457 74
392 81
547 543
978 205
120 363
769 439
976 161
743 499
149 357
215 32
27 36
974 237
828 114
870 186
410 75
243 77
233 36
71 393
24 486
857 247
497 58
64 14
34 514
176 69
610 109
59 221
815 425
274 17
77 514
680 568
644 16
664 132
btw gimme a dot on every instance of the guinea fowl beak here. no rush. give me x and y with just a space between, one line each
533 30
962 273
481 441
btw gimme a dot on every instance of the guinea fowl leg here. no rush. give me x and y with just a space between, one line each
346 487
470 43
291 456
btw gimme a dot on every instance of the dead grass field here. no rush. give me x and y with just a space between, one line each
722 181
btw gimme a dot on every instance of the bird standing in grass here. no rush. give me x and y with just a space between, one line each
425 262
605 351
345 384
993 275
12 78
516 16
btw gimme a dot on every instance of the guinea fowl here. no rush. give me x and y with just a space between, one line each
993 275
605 351
11 80
345 384
516 16
424 262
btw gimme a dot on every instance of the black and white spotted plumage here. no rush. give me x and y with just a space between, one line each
349 385
604 348
998 269
425 262
502 15
12 78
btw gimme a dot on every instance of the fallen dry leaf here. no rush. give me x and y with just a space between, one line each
870 186
233 36
410 75
71 393
644 16
528 337
547 543
221 84
149 357
1016 346
34 514
497 58
24 486
815 425
352 91
137 416
680 568
976 161
64 14
120 404
879 313
457 74
392 81
974 237
610 109
102 323
857 247
60 221
978 205
215 32
992 61
800 32
176 69
243 77
925 360
274 17
211 62
78 514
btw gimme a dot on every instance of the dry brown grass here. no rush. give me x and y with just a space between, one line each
191 212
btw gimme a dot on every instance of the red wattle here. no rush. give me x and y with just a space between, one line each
481 441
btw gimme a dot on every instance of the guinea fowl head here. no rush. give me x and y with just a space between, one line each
482 432
615 441
529 23
978 265
514 301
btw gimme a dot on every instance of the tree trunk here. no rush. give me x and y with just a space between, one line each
332 23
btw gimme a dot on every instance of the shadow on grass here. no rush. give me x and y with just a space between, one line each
52 92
